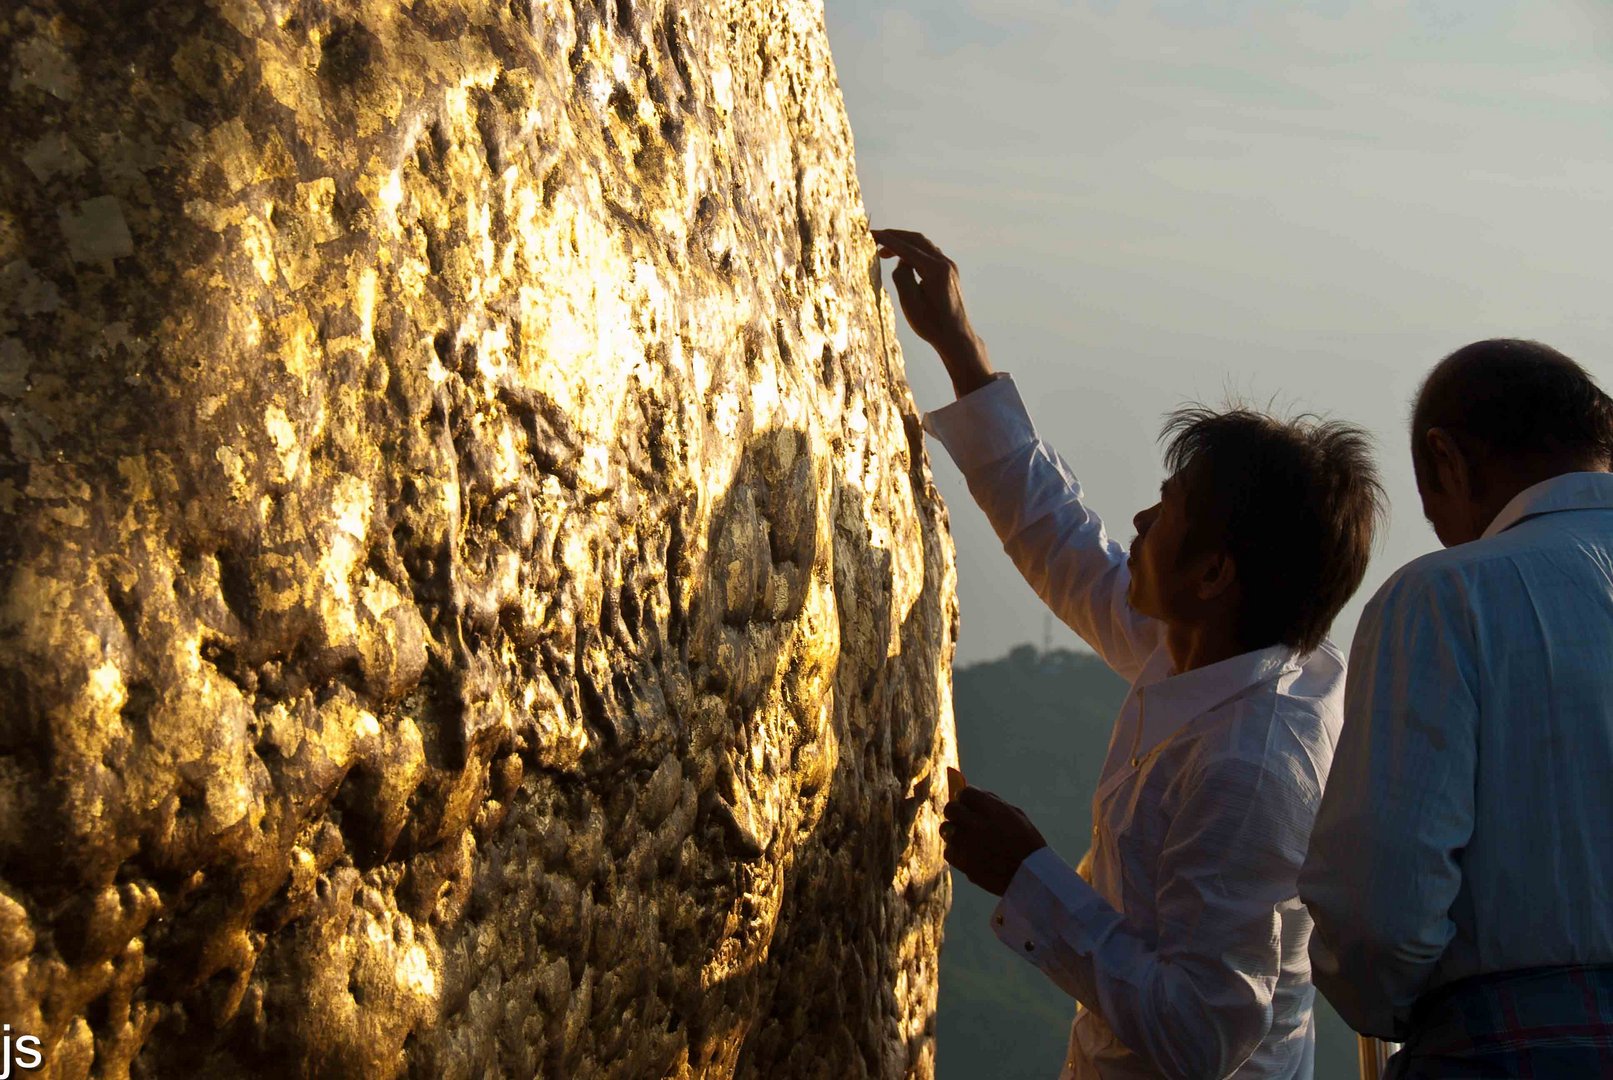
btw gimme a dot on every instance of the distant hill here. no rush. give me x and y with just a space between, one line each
1034 727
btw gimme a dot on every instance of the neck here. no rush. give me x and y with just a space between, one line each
1196 646
1510 480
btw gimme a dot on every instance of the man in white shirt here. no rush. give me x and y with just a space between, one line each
1461 870
1184 940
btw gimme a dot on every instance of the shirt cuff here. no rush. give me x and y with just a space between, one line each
1044 896
983 426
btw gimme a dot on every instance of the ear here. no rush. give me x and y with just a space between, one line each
1218 574
1452 468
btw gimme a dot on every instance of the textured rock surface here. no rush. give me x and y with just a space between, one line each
473 599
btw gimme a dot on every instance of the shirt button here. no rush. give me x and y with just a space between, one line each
1029 947
998 919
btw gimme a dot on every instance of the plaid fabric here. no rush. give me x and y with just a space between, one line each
1549 1022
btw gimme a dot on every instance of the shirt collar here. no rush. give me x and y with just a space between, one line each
1570 491
1170 703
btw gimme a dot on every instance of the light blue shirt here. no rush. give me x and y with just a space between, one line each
1184 942
1468 824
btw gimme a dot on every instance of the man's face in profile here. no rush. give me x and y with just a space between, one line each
1160 582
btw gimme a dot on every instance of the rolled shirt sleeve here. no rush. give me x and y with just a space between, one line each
1384 867
1198 1001
1035 505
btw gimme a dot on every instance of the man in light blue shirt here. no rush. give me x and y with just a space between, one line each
1461 869
1182 938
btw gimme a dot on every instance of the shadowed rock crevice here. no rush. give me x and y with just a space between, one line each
472 600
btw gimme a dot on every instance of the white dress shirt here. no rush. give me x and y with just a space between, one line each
1186 952
1468 826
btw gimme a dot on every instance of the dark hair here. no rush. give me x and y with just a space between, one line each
1512 399
1294 502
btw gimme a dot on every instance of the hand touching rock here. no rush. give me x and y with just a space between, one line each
987 838
932 302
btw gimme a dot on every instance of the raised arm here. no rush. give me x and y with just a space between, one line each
1028 493
1034 504
1384 865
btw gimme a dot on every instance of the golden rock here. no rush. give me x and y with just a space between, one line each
472 598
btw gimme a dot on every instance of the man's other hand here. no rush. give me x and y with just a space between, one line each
987 838
927 285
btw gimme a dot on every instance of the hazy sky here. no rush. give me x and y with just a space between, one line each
1158 201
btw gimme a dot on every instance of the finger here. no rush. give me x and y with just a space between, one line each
905 278
911 238
927 264
926 255
915 240
962 820
977 799
906 251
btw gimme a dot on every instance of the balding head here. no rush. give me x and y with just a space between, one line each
1497 416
